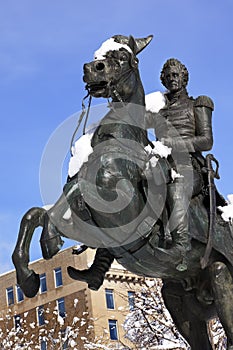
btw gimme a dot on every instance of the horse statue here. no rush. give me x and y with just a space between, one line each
115 203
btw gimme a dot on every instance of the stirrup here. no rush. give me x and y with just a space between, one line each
183 265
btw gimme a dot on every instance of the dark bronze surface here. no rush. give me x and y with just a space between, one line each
192 294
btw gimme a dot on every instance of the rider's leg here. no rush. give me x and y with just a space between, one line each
177 202
94 276
222 285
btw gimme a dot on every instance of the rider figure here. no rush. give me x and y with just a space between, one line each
184 124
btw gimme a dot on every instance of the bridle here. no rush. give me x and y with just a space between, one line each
111 85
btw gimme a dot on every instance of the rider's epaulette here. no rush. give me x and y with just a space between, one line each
204 101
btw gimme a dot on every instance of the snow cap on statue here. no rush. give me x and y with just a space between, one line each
116 42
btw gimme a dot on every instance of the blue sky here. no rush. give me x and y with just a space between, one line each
43 46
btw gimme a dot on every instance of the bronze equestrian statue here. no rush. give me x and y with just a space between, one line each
123 199
185 125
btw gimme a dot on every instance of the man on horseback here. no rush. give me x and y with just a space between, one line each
185 125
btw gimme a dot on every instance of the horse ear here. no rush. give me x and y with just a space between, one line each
132 44
136 45
141 43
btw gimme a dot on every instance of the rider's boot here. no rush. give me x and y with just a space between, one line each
94 276
177 202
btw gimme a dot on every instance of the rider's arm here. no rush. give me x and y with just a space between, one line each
203 140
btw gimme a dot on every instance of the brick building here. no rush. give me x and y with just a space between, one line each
65 314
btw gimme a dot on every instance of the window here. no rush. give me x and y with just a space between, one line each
131 300
65 340
10 296
43 345
40 315
65 345
43 283
19 292
17 321
61 307
109 298
58 277
113 329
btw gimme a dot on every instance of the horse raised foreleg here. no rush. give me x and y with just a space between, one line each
54 223
51 242
27 279
222 285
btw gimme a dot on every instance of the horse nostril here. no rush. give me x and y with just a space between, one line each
100 66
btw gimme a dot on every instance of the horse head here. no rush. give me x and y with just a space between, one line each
114 70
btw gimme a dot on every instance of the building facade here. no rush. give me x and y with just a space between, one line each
65 314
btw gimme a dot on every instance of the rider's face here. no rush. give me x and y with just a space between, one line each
173 79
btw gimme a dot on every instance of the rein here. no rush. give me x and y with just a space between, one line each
84 111
122 78
124 105
114 92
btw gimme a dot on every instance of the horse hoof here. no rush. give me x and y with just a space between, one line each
30 286
51 246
